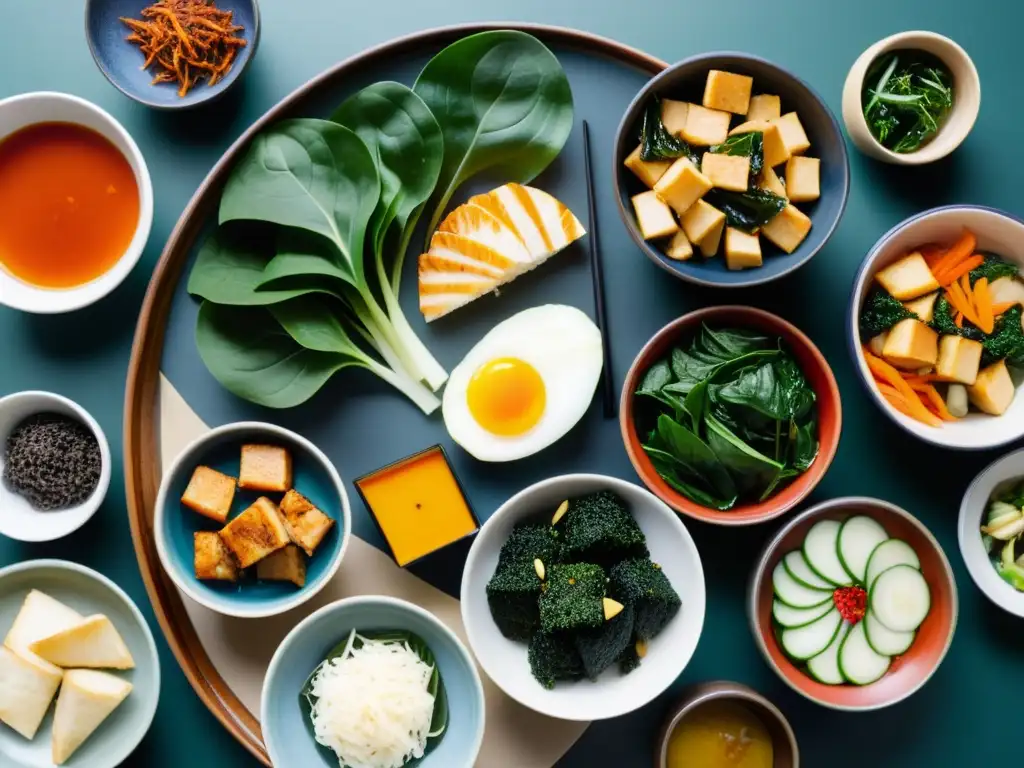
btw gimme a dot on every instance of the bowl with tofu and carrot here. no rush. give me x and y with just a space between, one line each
935 326
729 170
251 520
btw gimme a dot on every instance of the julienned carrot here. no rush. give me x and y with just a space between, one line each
1003 306
914 409
959 270
957 252
931 253
923 378
983 303
961 303
934 399
959 320
889 375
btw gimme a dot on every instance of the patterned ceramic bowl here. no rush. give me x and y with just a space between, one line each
909 671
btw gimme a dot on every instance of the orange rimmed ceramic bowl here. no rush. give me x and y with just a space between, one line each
818 374
910 671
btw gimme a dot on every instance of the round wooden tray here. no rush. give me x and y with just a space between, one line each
150 357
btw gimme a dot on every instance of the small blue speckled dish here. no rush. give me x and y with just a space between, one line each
287 736
685 81
121 62
175 525
87 592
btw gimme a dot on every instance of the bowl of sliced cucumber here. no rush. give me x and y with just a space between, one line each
853 604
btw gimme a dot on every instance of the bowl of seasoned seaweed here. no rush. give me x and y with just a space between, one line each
583 597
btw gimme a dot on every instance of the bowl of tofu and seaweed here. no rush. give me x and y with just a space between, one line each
935 326
251 520
729 170
583 597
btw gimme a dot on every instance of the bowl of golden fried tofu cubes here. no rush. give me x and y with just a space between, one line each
251 520
729 170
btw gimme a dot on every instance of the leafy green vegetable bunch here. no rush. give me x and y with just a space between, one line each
731 417
910 98
302 276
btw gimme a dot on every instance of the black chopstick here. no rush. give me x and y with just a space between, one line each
607 379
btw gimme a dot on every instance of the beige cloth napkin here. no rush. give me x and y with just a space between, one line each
514 737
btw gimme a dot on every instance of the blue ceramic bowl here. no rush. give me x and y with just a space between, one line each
685 81
174 524
121 62
285 729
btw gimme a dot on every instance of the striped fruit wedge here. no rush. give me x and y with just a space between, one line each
490 241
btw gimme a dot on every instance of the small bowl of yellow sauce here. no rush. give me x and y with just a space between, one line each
76 203
726 725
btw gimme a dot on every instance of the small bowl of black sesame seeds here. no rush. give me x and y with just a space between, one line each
54 466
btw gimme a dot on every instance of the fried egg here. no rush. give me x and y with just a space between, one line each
525 384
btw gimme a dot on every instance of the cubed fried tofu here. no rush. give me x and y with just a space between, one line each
793 133
728 91
701 220
726 171
802 178
679 247
923 307
673 115
255 533
764 106
959 359
306 524
775 150
742 250
770 181
713 239
788 229
210 493
213 560
653 216
682 185
265 468
288 564
911 345
993 390
705 127
908 278
648 171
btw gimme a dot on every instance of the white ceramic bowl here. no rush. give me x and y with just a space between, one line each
612 694
16 113
972 514
18 519
997 232
966 98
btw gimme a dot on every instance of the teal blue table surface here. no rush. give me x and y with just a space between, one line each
968 714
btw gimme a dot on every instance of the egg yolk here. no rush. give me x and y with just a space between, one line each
506 396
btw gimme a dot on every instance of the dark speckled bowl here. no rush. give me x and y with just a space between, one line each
121 62
685 81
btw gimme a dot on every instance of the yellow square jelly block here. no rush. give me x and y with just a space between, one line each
653 216
728 92
911 345
770 181
648 171
802 178
700 220
959 359
742 250
726 171
775 150
682 185
788 229
705 127
764 106
679 247
673 115
713 239
793 133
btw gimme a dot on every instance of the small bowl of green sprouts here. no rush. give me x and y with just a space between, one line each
911 98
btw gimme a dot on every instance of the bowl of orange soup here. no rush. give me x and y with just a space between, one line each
76 203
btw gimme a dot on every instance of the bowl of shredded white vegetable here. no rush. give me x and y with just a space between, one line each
372 682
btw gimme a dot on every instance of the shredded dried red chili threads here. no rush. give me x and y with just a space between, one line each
851 602
186 41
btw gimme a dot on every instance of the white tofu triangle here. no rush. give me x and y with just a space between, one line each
40 616
26 689
93 643
86 699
